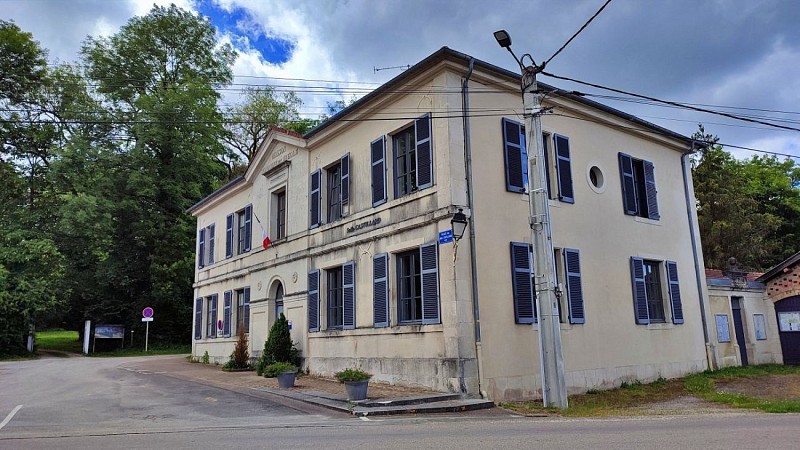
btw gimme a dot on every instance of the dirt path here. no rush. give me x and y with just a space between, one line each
769 387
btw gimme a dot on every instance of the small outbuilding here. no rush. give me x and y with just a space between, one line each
783 290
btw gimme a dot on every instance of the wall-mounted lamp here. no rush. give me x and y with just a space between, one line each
458 224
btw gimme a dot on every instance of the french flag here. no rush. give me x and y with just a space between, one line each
264 237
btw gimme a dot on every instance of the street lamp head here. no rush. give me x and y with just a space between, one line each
459 224
503 38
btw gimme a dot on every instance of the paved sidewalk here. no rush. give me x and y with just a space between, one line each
382 398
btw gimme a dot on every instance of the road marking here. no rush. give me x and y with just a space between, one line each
10 416
365 419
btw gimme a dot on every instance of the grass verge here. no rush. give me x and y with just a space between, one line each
59 340
627 399
67 341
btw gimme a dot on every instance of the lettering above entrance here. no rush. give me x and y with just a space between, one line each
365 224
280 157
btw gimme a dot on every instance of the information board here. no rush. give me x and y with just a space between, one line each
723 329
109 331
789 321
760 325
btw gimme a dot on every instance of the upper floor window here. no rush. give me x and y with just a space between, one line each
334 178
639 195
279 202
557 162
239 232
205 252
648 291
405 162
413 160
331 188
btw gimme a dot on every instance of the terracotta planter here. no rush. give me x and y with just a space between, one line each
286 379
356 390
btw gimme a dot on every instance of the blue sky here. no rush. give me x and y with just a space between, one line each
246 33
737 55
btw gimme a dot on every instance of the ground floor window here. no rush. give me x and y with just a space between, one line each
243 309
211 316
334 298
655 299
409 287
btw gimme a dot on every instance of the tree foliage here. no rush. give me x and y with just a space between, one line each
260 110
747 209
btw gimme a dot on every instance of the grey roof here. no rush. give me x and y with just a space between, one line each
219 191
778 269
446 52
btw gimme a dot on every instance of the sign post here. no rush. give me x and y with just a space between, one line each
147 317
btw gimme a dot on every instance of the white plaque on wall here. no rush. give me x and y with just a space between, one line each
760 325
789 321
723 330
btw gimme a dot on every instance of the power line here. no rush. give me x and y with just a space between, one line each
577 32
667 102
656 132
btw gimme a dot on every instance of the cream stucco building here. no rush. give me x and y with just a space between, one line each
355 209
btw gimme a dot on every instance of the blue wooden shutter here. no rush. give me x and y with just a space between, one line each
430 282
211 238
202 250
378 158
564 169
248 227
229 236
348 296
246 318
226 314
212 312
314 199
650 188
313 300
572 261
522 282
344 191
198 318
639 291
380 290
628 184
515 155
422 127
547 163
674 292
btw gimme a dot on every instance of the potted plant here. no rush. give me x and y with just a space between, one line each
355 382
285 372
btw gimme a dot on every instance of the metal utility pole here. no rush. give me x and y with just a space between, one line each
554 390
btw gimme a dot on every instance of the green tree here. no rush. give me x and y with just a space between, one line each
742 206
250 120
157 78
22 63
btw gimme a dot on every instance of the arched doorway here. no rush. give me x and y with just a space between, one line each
788 315
278 300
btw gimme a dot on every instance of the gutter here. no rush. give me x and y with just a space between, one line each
470 204
711 354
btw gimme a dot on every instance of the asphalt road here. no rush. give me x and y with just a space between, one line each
93 403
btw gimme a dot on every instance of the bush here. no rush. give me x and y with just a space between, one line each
240 358
278 347
352 375
205 358
273 370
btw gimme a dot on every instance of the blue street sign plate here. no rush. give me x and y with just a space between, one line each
445 236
